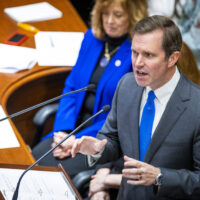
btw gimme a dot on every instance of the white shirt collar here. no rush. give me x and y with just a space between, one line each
164 93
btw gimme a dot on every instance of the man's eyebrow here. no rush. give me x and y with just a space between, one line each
150 52
143 52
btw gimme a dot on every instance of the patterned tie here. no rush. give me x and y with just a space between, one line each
146 124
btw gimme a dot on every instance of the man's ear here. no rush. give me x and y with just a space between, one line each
173 58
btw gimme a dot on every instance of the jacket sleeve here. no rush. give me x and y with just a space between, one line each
109 131
183 183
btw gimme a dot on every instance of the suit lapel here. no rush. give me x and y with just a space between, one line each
134 112
174 109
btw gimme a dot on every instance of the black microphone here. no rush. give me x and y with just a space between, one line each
104 109
89 87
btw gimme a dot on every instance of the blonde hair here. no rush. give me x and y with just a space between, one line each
188 65
136 9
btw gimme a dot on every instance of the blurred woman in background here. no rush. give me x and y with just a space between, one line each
104 57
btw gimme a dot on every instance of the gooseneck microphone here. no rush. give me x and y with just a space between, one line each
104 109
89 87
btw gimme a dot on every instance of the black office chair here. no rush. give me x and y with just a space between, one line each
82 180
40 119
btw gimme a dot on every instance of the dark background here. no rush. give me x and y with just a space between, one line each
84 8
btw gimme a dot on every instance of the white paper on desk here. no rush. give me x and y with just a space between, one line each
7 135
15 58
40 185
33 12
58 48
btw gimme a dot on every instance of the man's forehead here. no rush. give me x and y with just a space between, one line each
150 39
156 32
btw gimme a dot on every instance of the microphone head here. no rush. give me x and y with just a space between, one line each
106 108
91 87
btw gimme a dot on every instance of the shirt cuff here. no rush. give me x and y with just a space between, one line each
92 159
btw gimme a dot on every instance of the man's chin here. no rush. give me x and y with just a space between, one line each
141 83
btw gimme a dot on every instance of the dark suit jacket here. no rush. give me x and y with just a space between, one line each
175 144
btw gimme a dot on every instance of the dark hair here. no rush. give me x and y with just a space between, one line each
172 39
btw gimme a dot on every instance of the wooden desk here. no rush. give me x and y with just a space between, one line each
26 88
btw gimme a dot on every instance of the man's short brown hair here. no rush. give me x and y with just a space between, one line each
172 39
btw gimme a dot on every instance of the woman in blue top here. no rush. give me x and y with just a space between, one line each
104 57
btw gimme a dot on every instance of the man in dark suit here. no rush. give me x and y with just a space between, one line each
166 164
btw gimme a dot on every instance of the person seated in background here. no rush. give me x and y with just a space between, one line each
104 57
105 183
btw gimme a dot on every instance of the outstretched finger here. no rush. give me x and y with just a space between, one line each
136 182
131 162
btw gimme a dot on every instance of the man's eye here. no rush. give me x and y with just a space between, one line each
134 52
148 54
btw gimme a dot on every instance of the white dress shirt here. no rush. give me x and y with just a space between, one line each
163 95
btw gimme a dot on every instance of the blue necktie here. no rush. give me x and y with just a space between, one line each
146 124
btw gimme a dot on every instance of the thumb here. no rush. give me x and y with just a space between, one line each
101 145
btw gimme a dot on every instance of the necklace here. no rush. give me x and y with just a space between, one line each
107 55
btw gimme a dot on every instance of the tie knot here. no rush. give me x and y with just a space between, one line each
151 96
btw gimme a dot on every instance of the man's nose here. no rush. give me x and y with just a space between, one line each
139 60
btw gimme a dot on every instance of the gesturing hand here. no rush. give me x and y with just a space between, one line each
88 146
141 173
